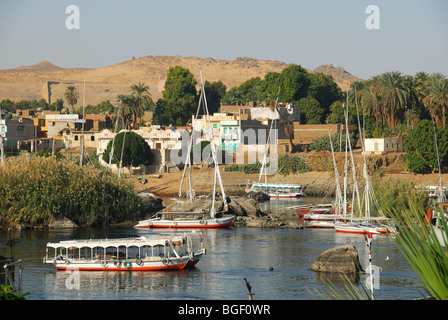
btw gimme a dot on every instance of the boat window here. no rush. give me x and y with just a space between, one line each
133 252
111 253
144 251
158 250
86 253
122 252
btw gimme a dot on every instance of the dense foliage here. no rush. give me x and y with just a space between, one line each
134 153
286 164
312 93
420 148
323 144
37 190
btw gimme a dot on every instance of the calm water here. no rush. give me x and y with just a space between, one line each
276 262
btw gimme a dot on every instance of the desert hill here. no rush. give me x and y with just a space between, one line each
45 80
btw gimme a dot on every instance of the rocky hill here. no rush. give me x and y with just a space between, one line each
45 80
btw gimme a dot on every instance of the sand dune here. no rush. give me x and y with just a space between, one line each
45 80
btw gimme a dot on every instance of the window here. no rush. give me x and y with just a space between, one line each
76 138
215 126
92 138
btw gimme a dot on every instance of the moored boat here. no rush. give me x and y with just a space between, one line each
181 220
275 190
304 209
126 254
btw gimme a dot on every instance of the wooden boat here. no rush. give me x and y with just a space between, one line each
181 220
304 209
320 224
363 226
126 254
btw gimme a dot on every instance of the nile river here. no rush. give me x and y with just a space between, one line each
276 262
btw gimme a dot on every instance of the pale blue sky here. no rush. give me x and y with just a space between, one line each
413 34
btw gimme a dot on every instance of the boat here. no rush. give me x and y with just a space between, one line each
361 227
276 190
185 220
304 209
125 254
167 219
320 224
368 223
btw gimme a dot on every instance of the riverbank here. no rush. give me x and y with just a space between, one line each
319 184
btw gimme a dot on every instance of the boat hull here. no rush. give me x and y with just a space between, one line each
355 228
167 264
193 223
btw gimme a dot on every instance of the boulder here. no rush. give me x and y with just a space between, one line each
152 204
343 259
198 204
243 206
257 195
62 223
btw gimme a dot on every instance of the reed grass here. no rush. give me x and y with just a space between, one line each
37 190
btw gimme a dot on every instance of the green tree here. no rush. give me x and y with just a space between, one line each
439 95
214 92
312 112
324 90
71 96
245 92
142 100
394 95
419 145
136 151
179 95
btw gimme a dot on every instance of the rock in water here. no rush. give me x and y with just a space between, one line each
62 223
343 259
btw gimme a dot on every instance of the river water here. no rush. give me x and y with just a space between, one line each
276 262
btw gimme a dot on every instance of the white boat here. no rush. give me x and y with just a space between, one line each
320 224
179 220
277 190
329 216
126 254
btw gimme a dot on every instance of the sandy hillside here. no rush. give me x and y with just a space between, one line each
45 79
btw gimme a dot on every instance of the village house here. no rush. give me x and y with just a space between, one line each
14 130
383 145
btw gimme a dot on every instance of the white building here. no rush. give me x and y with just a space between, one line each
383 145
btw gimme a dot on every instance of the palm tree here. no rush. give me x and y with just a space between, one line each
394 94
126 110
370 99
143 97
71 96
439 94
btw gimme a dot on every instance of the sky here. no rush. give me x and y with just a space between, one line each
412 34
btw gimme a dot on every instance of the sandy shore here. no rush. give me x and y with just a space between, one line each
314 183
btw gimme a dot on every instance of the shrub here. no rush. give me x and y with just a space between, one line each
37 190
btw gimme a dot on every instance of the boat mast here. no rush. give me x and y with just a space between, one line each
188 159
111 154
268 140
336 175
212 144
441 195
83 120
367 191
